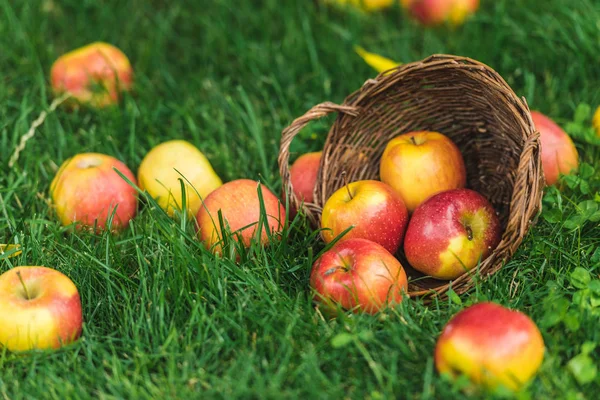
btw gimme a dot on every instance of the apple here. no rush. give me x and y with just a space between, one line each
39 309
87 190
596 121
450 233
559 155
303 175
358 275
95 74
435 12
374 210
420 164
163 167
491 345
239 204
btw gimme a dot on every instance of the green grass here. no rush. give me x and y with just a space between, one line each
165 319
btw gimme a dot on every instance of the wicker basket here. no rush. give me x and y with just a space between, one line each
462 98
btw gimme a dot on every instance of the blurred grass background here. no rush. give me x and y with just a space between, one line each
164 319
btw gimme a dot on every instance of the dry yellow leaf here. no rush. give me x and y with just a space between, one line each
379 63
8 247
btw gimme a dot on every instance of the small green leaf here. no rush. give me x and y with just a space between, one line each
342 340
582 113
586 171
595 301
595 217
594 286
596 256
580 278
572 181
552 215
581 296
584 187
587 207
366 336
571 321
555 311
583 368
454 297
588 347
574 221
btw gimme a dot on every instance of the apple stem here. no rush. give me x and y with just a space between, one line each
24 286
469 232
346 183
412 139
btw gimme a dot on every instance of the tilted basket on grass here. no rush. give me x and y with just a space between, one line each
459 97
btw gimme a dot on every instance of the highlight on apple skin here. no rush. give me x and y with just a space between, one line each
239 203
450 233
87 190
559 155
436 12
358 275
373 210
95 74
418 165
303 175
491 345
164 165
41 312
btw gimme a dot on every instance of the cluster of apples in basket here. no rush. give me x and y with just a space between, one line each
420 206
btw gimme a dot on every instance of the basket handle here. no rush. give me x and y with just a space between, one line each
289 133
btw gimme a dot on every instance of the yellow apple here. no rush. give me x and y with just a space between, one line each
420 164
40 308
165 164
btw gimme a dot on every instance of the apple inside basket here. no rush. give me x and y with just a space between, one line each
459 97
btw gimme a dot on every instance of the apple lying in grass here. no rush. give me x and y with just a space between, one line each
303 175
95 74
374 210
163 167
240 206
491 345
87 190
559 155
450 233
420 164
39 309
435 12
358 275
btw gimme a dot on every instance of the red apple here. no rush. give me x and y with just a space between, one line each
492 345
435 12
372 208
559 155
87 190
303 175
239 203
420 164
358 275
95 74
39 309
450 233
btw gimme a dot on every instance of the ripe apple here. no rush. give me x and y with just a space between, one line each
492 345
559 155
449 233
95 74
165 164
87 190
596 121
435 12
303 175
372 208
239 203
420 164
39 309
358 275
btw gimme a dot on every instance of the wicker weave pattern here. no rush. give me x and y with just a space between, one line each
459 97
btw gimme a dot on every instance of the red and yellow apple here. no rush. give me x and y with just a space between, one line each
450 233
491 345
40 308
240 206
87 190
163 167
373 210
559 155
418 165
358 275
303 175
95 74
435 12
